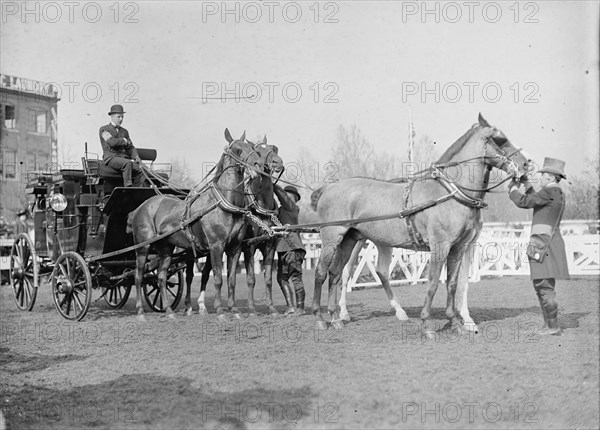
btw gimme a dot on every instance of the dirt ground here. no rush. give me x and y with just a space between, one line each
112 371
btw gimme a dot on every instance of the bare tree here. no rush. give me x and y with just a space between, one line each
583 193
181 174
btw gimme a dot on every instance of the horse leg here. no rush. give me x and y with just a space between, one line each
462 289
166 254
384 260
335 277
436 264
250 278
268 257
216 257
203 281
189 276
455 258
344 316
232 260
328 250
141 257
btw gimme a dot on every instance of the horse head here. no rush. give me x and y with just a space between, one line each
270 156
499 152
244 154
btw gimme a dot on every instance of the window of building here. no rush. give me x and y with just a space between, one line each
37 161
10 120
37 121
8 164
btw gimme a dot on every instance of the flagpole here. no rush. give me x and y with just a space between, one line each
410 136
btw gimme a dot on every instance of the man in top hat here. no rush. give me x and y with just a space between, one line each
547 204
118 150
290 252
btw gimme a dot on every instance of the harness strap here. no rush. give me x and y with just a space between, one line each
185 228
154 239
224 204
415 237
457 193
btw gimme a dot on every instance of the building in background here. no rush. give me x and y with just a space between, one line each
28 137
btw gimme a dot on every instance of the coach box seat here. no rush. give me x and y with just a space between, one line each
113 177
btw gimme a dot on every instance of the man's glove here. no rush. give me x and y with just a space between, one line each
514 185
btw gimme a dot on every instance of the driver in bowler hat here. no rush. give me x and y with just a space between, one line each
118 151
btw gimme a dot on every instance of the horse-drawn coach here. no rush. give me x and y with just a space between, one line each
91 232
80 220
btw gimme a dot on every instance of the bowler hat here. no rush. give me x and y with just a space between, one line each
554 166
293 190
116 109
22 212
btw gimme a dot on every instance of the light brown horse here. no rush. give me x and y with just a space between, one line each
219 227
260 200
458 181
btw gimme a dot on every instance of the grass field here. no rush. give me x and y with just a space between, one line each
112 371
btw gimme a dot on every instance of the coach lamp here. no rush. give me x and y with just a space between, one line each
58 202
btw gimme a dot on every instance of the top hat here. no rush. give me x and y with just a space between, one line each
293 190
116 109
554 166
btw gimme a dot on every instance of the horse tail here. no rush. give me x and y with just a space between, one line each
315 196
129 228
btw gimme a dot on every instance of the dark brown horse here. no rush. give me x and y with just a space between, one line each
458 181
260 200
219 226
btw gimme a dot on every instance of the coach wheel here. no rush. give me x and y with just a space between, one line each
24 272
117 295
152 290
71 286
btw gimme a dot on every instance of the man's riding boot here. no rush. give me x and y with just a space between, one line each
290 298
300 296
545 326
553 329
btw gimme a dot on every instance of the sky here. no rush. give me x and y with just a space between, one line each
531 69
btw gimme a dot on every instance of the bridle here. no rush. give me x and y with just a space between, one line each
490 140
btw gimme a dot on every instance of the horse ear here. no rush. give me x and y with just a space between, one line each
482 121
264 140
243 137
228 136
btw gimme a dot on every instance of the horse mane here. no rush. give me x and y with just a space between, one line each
458 145
219 167
221 163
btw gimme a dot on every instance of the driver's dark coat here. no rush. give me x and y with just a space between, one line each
547 206
115 143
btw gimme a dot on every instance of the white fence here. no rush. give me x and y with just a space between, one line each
500 251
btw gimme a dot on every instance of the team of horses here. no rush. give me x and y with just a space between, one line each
234 211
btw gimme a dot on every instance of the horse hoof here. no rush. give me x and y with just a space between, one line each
337 324
402 316
202 312
321 325
429 334
237 315
222 318
172 316
189 312
471 328
344 316
141 318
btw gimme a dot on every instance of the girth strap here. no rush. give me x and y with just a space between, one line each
415 237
